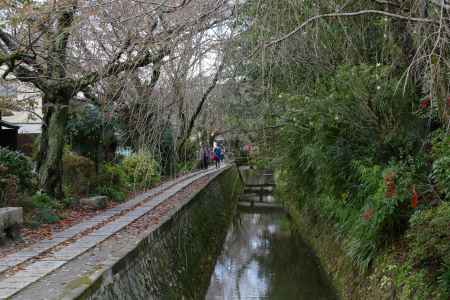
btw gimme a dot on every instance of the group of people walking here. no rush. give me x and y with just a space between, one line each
206 155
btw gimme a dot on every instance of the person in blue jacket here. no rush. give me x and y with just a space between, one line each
217 156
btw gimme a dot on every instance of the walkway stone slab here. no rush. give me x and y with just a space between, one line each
12 285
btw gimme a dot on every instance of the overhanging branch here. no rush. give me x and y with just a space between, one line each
119 67
343 14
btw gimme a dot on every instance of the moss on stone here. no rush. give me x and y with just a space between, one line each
79 282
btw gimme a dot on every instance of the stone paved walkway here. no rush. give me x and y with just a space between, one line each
25 267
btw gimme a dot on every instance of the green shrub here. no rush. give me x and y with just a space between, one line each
8 187
112 175
351 148
444 279
141 169
440 174
45 216
42 200
79 174
111 192
89 132
17 165
429 235
69 202
440 144
384 198
112 181
428 243
186 166
45 208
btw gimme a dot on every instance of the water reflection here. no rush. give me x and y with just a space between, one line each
261 260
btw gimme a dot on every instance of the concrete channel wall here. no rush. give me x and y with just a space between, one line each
175 261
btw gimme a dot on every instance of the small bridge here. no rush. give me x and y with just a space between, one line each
259 186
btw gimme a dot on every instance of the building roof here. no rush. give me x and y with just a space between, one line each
29 128
8 125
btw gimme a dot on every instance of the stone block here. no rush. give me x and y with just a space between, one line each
96 202
11 218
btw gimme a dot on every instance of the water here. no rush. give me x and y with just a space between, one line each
261 259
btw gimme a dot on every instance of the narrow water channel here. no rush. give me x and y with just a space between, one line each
262 259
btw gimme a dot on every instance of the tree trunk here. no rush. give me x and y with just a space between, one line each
51 146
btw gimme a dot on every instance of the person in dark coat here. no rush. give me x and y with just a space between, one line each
217 156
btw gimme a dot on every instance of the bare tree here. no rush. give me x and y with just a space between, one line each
64 48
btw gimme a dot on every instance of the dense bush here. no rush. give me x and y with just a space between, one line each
90 133
112 175
8 187
18 165
111 181
352 148
44 209
112 192
141 170
79 174
186 166
383 197
441 163
429 246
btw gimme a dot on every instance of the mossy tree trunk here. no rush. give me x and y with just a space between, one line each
52 145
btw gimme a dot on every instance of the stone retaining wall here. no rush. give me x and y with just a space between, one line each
176 260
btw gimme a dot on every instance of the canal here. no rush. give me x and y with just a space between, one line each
262 258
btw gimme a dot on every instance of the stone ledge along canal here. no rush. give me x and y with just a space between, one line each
262 258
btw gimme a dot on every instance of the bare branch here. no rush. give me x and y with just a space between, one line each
200 106
117 68
348 14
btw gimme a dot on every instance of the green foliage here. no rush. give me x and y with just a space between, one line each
429 244
112 175
441 165
45 216
186 166
429 236
351 150
141 170
8 187
383 196
189 152
69 202
112 193
112 181
89 133
45 208
167 151
18 165
42 200
444 280
441 175
79 174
